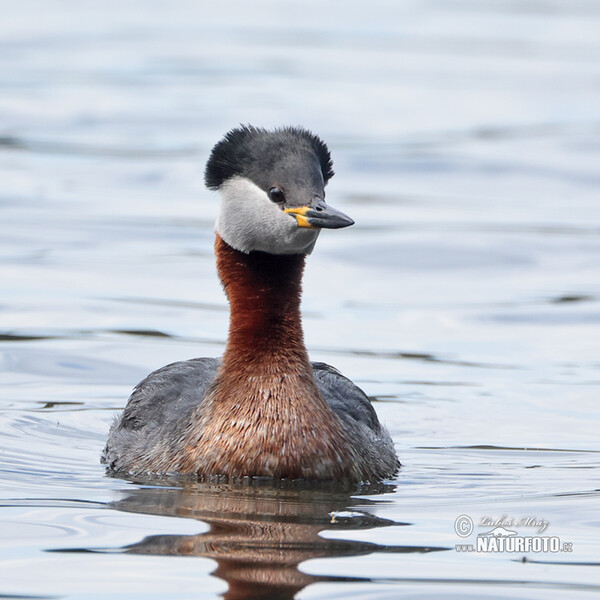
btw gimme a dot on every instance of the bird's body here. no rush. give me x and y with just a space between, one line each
263 409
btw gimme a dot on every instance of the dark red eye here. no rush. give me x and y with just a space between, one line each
276 195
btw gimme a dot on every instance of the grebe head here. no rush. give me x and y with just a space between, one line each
272 185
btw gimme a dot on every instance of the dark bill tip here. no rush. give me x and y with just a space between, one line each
326 217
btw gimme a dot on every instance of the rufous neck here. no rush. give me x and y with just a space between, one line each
264 295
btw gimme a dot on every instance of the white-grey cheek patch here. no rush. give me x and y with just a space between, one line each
250 221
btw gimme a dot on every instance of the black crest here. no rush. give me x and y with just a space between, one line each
247 150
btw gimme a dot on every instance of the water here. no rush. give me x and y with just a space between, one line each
465 301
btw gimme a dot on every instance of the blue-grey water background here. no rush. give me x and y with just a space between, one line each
465 300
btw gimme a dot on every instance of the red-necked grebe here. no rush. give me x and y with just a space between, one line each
263 409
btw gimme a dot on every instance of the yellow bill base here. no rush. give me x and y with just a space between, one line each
299 214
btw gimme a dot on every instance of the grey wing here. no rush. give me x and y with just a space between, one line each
346 399
157 405
360 421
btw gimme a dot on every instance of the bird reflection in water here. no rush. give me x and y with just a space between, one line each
260 533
